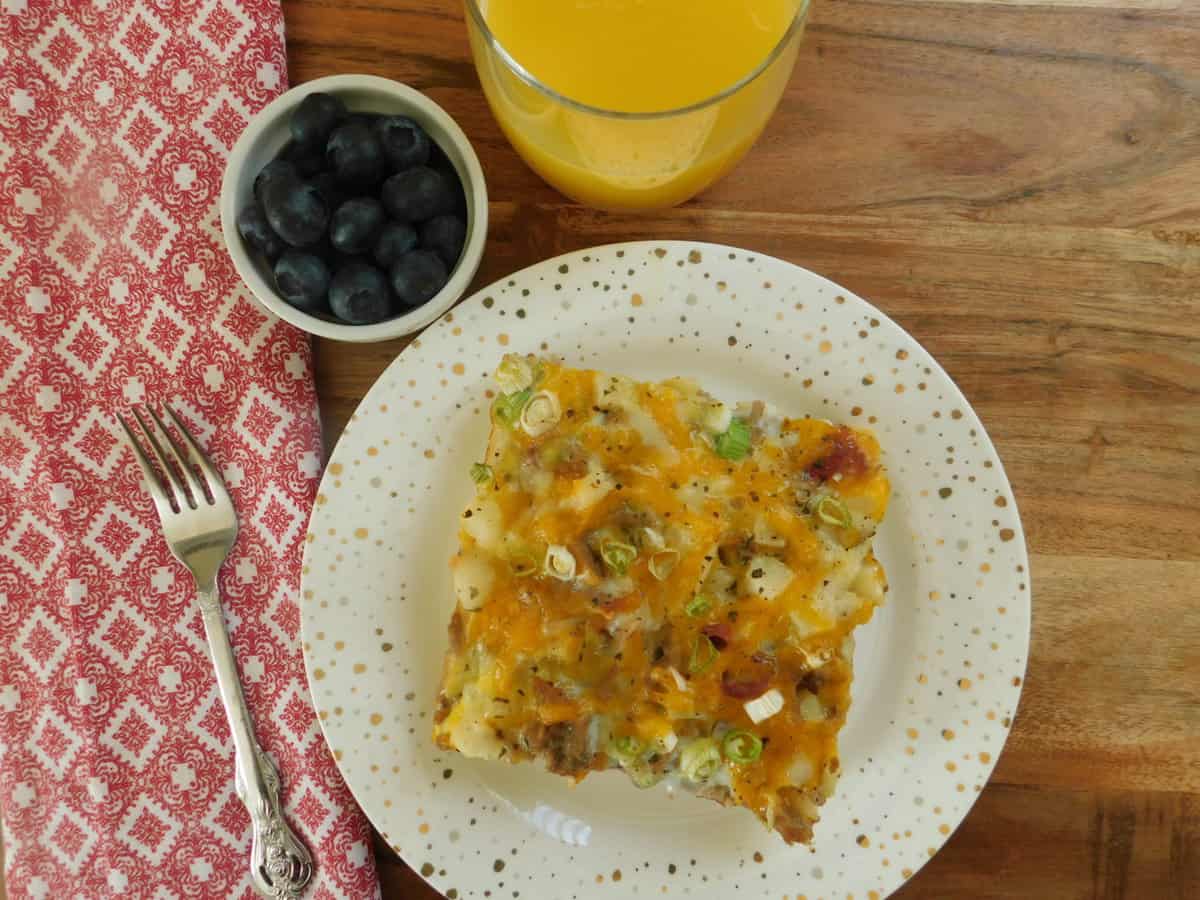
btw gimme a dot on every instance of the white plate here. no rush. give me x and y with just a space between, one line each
938 670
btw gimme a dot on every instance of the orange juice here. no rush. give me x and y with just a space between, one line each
633 104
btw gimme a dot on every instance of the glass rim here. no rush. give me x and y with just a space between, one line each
521 72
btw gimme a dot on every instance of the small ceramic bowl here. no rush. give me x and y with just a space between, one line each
266 135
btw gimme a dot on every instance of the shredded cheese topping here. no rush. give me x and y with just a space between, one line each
627 586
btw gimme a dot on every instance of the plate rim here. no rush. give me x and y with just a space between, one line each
1022 640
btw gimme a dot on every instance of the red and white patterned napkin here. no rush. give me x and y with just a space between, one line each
116 768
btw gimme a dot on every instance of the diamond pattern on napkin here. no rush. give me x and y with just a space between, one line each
116 763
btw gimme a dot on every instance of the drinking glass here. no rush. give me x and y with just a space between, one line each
629 160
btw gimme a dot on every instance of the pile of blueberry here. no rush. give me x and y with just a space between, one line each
360 215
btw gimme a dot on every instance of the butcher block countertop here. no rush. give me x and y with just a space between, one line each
1018 185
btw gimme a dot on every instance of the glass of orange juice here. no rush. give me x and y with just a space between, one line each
634 104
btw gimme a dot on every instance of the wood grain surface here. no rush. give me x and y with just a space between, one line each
1019 186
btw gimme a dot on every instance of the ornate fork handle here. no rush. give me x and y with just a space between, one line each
200 524
280 865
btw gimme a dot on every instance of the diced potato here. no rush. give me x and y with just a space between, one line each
473 577
810 707
766 577
589 490
485 524
801 771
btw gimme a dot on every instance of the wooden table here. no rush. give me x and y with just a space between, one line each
1019 187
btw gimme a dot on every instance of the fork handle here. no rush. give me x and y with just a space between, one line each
252 780
284 866
246 749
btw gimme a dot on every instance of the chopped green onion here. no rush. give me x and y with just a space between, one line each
665 743
514 374
764 706
618 556
643 776
627 747
716 417
833 511
508 407
698 605
704 654
734 442
742 747
481 472
540 414
700 759
560 562
523 564
663 562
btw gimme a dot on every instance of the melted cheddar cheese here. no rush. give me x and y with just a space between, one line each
647 578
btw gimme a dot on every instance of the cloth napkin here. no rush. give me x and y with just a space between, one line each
116 763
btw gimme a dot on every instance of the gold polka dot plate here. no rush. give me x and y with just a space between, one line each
938 669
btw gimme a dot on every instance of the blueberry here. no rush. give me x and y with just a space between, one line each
366 118
275 170
417 277
355 224
445 235
303 280
417 194
359 294
307 160
440 161
405 143
393 242
355 155
314 119
295 211
330 190
252 226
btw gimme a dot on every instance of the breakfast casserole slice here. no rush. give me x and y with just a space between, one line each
651 580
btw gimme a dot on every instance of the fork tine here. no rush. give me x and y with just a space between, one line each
211 475
182 456
158 493
182 495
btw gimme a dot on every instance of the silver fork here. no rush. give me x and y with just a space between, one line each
200 526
